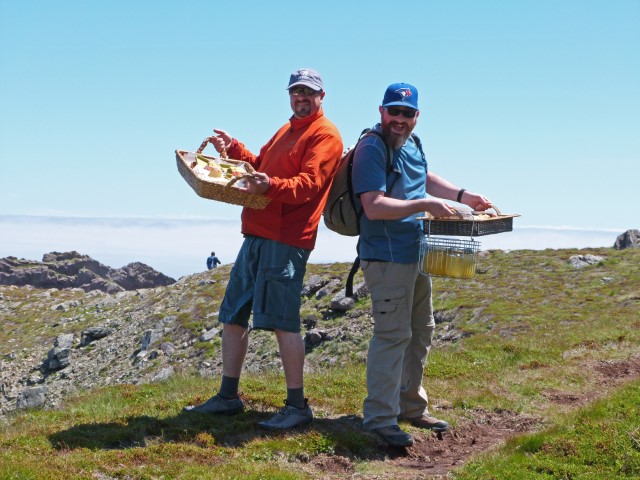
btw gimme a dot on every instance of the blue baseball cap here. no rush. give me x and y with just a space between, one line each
401 95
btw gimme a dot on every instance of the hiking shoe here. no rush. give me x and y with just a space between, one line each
394 436
218 405
429 422
288 417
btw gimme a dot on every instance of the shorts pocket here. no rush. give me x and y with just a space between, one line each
279 301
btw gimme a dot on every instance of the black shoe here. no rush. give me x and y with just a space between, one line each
288 417
429 422
394 436
218 405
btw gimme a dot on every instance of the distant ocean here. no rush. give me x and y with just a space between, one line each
178 247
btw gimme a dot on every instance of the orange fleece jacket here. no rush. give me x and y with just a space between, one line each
301 160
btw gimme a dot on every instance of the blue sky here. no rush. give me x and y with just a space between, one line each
534 104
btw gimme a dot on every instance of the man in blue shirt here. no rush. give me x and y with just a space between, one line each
212 261
389 249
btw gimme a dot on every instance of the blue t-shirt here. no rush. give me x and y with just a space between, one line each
390 240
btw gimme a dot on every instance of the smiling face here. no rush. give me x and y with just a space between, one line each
305 101
397 124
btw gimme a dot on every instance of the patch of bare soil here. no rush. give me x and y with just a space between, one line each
433 455
610 374
438 453
613 371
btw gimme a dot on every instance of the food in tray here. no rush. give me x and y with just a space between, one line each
482 216
468 215
220 172
479 215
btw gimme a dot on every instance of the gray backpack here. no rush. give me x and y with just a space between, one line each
342 211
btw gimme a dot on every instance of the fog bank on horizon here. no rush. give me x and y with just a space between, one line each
178 247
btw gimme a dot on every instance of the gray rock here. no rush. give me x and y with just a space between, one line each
314 337
446 316
581 261
140 357
327 289
137 275
31 398
64 340
629 239
342 303
167 348
360 290
73 270
163 374
209 335
149 337
313 284
92 334
58 358
66 306
35 380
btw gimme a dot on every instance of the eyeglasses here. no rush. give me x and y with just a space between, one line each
304 91
394 112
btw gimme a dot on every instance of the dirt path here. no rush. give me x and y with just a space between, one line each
433 455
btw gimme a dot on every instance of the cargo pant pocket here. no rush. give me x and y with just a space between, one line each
390 313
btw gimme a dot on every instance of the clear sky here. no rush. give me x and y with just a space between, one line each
535 104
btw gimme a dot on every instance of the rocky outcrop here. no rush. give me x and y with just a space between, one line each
629 239
581 261
73 270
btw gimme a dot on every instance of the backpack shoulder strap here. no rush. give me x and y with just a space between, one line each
356 263
418 142
389 156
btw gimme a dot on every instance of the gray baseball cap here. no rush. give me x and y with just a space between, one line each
307 77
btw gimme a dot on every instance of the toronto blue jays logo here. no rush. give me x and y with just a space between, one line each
404 93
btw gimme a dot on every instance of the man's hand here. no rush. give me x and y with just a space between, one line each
476 201
221 141
439 208
257 183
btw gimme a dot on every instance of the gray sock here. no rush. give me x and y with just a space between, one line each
229 387
295 397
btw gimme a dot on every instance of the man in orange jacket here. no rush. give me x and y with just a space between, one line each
295 170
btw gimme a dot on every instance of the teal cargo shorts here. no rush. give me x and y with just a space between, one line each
266 279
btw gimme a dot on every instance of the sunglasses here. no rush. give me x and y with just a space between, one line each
394 112
304 91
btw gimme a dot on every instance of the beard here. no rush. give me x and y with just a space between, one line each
302 110
394 140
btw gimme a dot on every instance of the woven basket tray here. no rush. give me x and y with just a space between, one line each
467 225
214 191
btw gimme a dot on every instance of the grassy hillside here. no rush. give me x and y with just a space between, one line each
536 367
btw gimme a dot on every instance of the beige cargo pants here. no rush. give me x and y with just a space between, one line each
402 332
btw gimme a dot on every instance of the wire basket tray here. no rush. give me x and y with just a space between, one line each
468 228
468 224
447 257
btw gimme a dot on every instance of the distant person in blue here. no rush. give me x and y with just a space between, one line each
212 261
